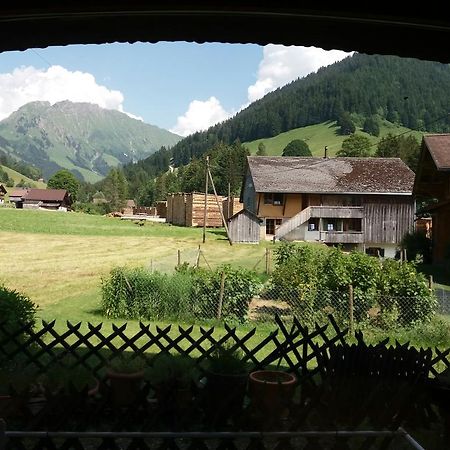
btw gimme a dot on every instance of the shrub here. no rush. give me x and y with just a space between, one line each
16 309
417 244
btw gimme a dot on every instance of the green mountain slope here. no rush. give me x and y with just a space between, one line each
321 135
17 177
81 137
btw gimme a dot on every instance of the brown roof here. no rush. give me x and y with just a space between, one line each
18 193
330 175
2 189
46 195
439 148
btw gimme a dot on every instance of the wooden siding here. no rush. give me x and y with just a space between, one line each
389 221
244 227
337 212
187 210
161 209
336 237
441 234
235 207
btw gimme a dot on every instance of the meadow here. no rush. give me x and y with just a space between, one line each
58 259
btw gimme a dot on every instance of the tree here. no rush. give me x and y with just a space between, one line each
297 147
388 147
63 179
405 147
371 126
261 150
115 188
346 123
355 145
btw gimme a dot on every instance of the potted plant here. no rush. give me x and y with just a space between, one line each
173 379
125 374
226 385
271 393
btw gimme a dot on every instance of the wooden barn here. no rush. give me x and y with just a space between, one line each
231 206
187 209
244 227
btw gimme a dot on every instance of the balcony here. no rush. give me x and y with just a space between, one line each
337 212
342 237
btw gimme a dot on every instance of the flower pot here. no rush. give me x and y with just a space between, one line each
125 387
271 393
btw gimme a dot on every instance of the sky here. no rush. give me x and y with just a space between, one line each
183 87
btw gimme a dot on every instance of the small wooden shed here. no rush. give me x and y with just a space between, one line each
187 209
244 227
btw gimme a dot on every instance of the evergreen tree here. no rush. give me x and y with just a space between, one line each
346 124
371 126
297 147
115 188
261 150
355 145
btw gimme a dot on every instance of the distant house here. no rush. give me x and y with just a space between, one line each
2 193
433 181
360 203
17 197
52 199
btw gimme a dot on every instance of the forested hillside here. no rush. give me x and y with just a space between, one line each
404 91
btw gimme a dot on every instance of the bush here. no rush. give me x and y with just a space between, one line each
189 293
417 244
16 309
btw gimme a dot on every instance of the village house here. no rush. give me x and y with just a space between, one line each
17 196
359 203
2 193
51 199
433 182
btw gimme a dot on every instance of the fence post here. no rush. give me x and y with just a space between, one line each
178 258
350 308
222 289
430 282
267 261
197 261
2 434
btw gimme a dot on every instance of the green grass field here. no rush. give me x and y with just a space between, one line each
58 259
321 135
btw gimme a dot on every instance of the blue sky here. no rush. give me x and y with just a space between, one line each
179 86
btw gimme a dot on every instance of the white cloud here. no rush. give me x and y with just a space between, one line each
27 84
200 115
281 65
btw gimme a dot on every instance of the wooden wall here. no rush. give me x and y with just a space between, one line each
188 210
235 206
387 220
244 227
161 209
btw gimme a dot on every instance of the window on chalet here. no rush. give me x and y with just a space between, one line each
313 224
275 199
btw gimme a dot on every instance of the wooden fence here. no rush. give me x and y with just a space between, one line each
355 384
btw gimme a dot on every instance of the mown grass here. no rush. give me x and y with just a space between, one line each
58 259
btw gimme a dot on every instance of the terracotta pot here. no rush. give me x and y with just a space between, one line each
271 392
125 387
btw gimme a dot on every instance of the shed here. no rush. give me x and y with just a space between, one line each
17 197
128 208
244 227
231 206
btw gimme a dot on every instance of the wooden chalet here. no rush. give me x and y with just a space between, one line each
433 182
51 199
2 193
187 209
17 196
360 203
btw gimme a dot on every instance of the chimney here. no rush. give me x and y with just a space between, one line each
325 155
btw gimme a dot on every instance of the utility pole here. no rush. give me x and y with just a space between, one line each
228 202
206 199
219 206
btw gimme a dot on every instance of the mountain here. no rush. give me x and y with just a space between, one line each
82 137
404 91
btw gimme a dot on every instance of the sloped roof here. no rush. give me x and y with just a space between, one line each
439 147
18 193
246 212
2 189
330 175
46 195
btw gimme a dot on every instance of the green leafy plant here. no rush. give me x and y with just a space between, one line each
227 360
15 308
178 372
127 363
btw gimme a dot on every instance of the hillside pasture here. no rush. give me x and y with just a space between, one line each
321 135
17 177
